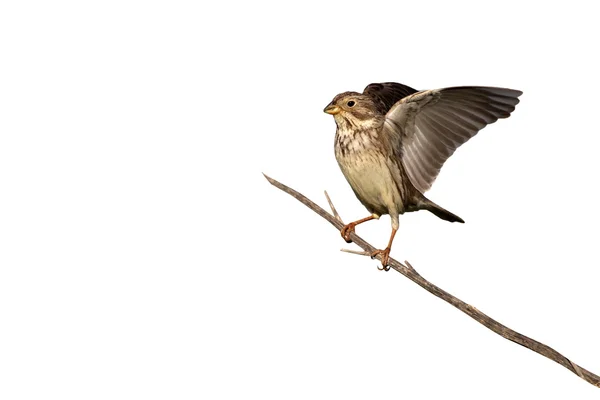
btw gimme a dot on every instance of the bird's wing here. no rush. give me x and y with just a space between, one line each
432 124
387 94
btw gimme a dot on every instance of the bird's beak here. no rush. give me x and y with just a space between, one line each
332 109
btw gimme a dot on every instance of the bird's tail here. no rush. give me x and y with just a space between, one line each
440 212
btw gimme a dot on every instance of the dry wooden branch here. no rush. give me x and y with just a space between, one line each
409 272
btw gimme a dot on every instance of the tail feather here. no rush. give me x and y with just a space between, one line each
441 212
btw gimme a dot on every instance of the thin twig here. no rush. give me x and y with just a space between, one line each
360 253
333 210
408 271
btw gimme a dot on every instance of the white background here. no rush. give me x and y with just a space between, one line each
143 254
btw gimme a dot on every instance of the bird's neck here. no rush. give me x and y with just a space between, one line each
349 123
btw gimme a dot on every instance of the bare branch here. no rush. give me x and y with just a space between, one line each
409 272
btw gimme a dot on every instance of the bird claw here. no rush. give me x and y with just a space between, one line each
347 230
385 258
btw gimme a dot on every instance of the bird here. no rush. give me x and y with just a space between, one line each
392 140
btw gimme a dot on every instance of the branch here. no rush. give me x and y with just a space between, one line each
409 272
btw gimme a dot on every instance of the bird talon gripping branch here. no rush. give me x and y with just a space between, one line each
385 258
346 231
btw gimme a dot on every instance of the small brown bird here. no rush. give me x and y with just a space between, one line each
392 140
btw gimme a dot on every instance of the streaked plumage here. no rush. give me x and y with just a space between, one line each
392 140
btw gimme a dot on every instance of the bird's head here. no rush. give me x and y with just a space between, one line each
354 110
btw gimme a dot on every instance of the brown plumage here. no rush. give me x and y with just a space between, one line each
391 142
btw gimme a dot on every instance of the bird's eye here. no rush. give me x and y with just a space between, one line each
351 103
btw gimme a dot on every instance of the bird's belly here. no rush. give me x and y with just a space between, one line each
370 178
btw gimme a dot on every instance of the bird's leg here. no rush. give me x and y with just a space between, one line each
349 228
385 253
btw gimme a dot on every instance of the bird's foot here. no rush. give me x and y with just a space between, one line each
347 230
385 258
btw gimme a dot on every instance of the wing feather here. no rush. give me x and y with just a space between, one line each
434 123
387 94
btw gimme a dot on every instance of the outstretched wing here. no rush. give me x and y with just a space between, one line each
432 124
387 94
